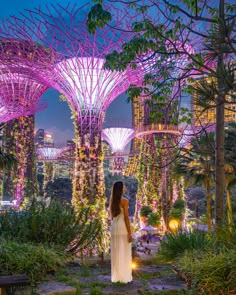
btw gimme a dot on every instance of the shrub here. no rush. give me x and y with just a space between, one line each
34 260
56 224
211 273
176 214
226 237
145 211
177 209
154 219
179 204
176 244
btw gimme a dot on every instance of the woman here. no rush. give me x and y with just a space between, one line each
121 256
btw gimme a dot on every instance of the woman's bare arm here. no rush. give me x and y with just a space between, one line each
125 205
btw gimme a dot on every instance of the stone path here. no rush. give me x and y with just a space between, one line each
93 278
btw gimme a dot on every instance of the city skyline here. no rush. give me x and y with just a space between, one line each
56 118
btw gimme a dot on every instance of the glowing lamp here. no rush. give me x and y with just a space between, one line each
174 225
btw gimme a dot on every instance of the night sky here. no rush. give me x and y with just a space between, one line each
56 118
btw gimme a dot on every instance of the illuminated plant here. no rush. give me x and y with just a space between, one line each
80 76
20 90
48 155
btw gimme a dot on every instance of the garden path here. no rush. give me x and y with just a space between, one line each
92 277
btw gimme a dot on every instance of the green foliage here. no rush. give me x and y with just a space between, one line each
211 273
177 209
179 204
226 237
34 260
230 144
154 219
145 211
95 291
60 189
7 161
97 17
176 214
55 224
176 244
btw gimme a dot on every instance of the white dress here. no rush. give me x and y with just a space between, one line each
121 255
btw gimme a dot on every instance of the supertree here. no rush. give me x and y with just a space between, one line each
20 91
49 155
118 138
21 87
160 134
81 77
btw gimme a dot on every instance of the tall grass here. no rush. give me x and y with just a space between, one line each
34 260
53 225
208 260
176 244
211 273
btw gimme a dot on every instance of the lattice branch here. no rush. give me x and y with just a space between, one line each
117 138
51 153
78 65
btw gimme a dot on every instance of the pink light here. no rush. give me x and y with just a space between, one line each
87 85
79 74
19 95
50 153
20 87
117 138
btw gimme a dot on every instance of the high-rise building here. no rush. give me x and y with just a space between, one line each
39 138
48 140
42 139
138 122
207 117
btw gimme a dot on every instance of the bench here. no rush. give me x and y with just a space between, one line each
9 284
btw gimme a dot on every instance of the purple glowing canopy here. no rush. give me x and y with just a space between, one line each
88 86
20 84
79 72
117 138
50 153
19 95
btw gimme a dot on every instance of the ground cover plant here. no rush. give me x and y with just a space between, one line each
176 244
41 239
206 260
55 225
34 260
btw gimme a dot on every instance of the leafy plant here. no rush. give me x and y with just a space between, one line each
145 211
177 209
7 161
56 224
179 204
176 244
95 291
34 260
211 273
154 219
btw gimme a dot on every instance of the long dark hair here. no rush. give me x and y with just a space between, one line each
116 195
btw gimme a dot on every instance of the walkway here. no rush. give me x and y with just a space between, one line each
93 278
